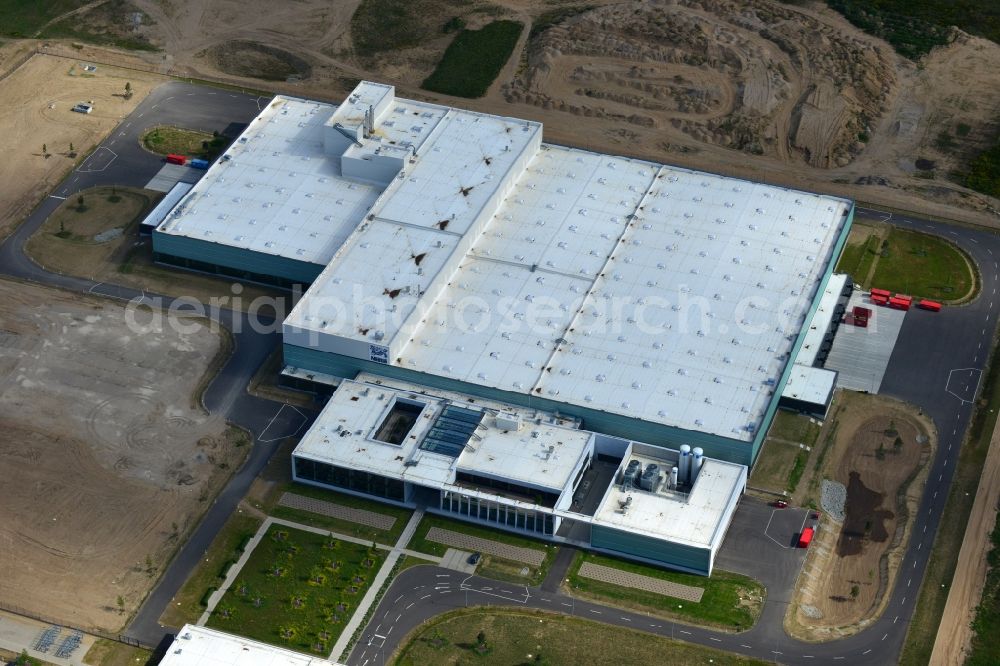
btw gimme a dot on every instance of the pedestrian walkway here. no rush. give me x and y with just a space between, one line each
370 518
639 582
376 587
499 549
234 570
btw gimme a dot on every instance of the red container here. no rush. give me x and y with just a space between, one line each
904 297
899 304
926 304
177 159
861 323
879 299
862 312
806 537
881 292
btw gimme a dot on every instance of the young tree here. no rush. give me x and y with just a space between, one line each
45 150
121 603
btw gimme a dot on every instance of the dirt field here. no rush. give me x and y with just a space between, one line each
101 243
110 458
37 99
879 451
760 89
954 634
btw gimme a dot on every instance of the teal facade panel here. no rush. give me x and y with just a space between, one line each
234 262
679 556
715 446
765 424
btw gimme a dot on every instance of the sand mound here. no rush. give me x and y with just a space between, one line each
754 76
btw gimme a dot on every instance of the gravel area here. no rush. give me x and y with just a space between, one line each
833 498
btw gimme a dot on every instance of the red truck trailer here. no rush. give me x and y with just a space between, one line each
927 304
881 292
806 537
879 299
899 303
177 159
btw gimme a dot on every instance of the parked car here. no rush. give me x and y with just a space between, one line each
779 504
474 558
83 108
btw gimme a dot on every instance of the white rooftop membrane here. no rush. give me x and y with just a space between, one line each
457 245
200 646
274 191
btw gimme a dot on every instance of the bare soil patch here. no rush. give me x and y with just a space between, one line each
101 243
111 461
255 60
879 452
37 100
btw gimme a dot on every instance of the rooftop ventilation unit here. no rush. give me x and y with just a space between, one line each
506 421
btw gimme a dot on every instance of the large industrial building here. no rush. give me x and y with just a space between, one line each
521 469
623 312
454 249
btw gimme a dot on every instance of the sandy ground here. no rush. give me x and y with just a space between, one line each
753 88
110 457
37 98
852 565
954 636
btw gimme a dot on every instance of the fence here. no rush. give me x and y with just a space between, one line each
97 633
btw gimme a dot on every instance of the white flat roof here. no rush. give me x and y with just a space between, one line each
693 519
274 191
810 384
542 454
621 285
169 200
199 646
821 320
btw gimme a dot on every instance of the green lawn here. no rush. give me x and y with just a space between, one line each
985 648
388 537
859 253
23 18
923 266
226 548
794 428
192 143
914 27
474 59
490 566
730 601
533 637
297 590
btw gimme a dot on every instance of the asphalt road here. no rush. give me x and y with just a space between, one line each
196 107
931 348
936 365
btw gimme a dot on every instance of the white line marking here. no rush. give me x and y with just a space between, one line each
684 632
595 612
52 196
713 638
424 597
885 636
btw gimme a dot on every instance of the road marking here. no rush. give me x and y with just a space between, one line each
410 606
867 651
424 597
444 591
896 619
885 636
776 652
52 196
595 612
443 575
908 582
713 638
903 602
807 656
835 658
567 605
684 632
624 618
397 599
745 646
925 531
548 601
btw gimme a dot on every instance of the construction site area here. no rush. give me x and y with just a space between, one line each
866 476
110 451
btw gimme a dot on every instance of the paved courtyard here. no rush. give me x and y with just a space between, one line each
640 582
506 551
370 518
